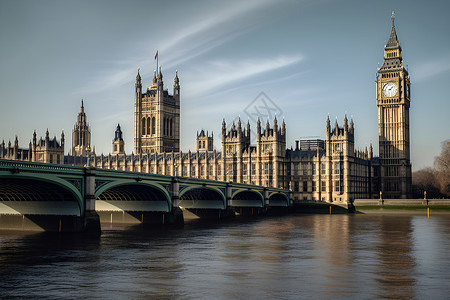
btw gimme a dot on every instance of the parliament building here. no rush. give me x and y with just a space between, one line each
331 170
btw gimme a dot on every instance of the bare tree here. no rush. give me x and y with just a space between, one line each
425 180
442 166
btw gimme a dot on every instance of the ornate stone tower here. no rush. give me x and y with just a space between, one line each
156 116
234 143
118 142
393 101
340 154
271 153
205 141
81 135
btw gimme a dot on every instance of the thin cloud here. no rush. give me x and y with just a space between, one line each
432 68
224 15
188 43
221 73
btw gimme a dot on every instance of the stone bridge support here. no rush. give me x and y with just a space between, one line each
175 217
91 222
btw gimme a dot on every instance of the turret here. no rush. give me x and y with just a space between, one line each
154 81
118 142
176 85
224 130
345 125
62 139
275 125
328 127
239 127
47 137
160 81
138 78
258 129
283 128
248 128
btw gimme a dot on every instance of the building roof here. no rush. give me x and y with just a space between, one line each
393 40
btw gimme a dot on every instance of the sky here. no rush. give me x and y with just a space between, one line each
301 60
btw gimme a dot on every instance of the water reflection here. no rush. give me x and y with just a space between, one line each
396 267
316 256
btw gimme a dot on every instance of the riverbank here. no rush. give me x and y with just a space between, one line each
402 206
403 209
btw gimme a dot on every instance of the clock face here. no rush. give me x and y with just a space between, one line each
390 89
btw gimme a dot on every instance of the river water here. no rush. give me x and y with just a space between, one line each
289 257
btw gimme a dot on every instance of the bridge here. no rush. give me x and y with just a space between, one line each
75 199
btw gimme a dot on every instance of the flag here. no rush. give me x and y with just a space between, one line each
156 55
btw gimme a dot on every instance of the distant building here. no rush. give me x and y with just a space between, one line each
118 142
81 135
315 144
204 141
43 150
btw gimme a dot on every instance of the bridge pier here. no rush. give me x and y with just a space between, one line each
91 220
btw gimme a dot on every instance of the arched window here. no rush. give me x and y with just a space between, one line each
164 126
148 125
153 125
171 123
143 126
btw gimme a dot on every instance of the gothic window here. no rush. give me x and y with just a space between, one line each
324 169
171 123
203 144
153 125
148 125
143 126
164 126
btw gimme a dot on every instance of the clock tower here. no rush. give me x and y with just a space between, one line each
393 101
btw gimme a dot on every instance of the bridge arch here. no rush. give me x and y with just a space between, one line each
43 195
278 199
247 198
202 197
130 195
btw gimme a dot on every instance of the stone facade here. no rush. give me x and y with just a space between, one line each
44 150
334 173
156 116
81 135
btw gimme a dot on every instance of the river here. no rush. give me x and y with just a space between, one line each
288 257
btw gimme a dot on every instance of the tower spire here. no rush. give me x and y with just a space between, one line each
393 40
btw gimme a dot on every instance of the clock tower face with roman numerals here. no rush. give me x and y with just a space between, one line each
393 101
